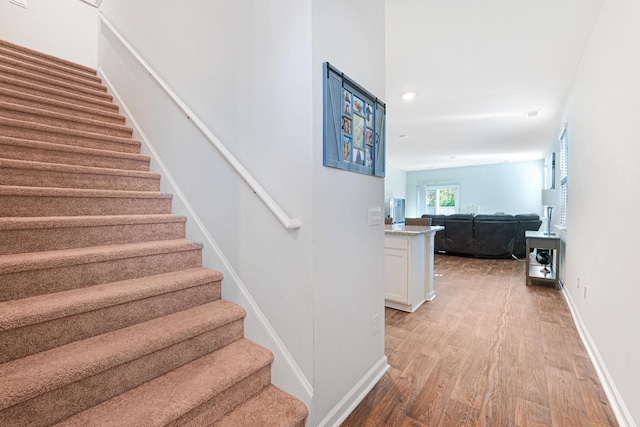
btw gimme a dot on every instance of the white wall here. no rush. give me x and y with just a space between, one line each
252 71
512 188
395 186
348 254
64 28
244 68
603 176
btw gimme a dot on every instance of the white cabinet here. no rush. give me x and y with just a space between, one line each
408 266
408 270
396 274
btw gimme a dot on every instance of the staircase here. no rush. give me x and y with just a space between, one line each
107 317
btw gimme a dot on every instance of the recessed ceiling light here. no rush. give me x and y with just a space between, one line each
408 96
403 136
530 114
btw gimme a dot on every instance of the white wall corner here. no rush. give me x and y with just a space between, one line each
353 398
623 416
286 373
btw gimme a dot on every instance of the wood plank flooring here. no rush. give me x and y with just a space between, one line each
488 351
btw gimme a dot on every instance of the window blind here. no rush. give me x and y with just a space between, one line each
563 175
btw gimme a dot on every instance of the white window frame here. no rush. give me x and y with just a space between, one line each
422 196
564 154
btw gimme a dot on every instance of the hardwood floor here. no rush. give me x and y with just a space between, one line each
488 351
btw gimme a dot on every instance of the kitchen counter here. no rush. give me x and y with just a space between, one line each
410 230
408 265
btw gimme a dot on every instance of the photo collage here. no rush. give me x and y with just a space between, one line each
357 130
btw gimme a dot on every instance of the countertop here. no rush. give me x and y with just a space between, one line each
410 230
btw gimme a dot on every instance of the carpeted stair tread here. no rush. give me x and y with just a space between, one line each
34 174
33 375
30 274
26 164
45 201
47 104
60 135
165 399
24 149
46 57
270 407
52 118
17 223
55 83
21 65
40 323
52 259
37 234
59 94
43 308
10 190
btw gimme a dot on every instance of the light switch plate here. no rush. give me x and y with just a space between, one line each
375 216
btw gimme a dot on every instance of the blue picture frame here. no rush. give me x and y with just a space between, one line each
366 146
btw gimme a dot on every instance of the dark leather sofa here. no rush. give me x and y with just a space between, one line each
526 222
484 236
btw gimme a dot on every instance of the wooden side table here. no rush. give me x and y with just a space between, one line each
540 240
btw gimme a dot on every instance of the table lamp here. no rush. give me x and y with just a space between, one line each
550 198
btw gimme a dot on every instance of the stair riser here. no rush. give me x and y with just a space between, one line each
24 51
44 154
65 123
58 179
19 241
32 339
59 404
60 107
57 94
36 206
49 73
226 401
24 284
53 83
86 141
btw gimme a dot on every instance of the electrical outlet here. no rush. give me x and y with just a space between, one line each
585 292
578 282
375 325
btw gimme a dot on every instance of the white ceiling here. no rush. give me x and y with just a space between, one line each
477 67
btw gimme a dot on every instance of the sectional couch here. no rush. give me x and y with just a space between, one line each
484 236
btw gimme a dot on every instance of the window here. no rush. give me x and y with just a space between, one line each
563 175
439 199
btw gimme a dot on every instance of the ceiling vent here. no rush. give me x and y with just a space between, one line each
530 114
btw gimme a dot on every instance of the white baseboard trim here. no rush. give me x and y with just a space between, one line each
282 355
623 416
359 391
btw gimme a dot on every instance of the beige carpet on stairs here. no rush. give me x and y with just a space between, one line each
107 316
